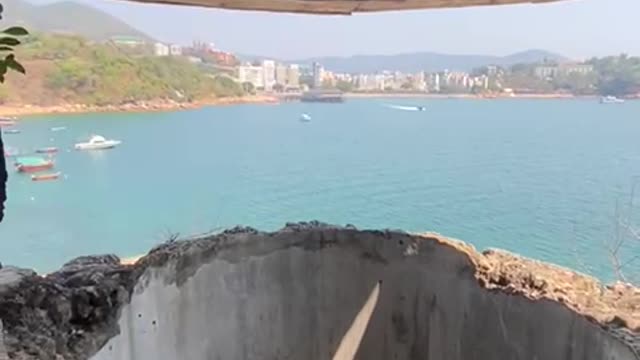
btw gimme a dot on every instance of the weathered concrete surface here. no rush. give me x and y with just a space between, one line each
339 6
294 294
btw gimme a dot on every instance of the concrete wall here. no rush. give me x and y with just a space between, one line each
293 296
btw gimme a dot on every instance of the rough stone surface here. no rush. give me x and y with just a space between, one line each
244 294
69 314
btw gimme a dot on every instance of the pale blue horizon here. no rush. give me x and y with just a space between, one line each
574 28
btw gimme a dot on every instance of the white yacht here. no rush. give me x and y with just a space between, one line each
97 142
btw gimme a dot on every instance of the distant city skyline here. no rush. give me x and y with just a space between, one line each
575 28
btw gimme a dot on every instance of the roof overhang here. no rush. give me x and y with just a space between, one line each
341 7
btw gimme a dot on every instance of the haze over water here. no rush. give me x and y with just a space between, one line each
536 177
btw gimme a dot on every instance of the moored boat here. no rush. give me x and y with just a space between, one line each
10 152
11 131
47 150
5 121
45 177
33 164
611 100
97 142
305 117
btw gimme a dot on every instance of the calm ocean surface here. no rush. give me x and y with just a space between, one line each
537 177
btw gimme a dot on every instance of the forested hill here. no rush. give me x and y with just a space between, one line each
72 70
86 21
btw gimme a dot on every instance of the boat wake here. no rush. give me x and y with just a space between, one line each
406 108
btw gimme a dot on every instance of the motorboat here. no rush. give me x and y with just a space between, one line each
611 100
305 117
47 150
58 128
33 164
11 152
45 177
408 108
11 131
97 142
4 121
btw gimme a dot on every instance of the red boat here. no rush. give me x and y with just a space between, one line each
45 177
33 164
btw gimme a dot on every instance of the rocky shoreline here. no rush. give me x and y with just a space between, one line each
74 312
139 106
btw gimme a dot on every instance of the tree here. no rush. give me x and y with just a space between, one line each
248 87
8 41
344 86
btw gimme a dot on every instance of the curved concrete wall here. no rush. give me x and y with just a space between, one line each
294 295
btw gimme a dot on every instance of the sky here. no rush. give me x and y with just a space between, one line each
574 28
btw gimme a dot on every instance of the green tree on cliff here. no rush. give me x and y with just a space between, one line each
9 39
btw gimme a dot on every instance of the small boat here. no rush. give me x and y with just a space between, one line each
305 117
611 100
33 164
407 108
10 152
5 121
45 177
47 150
58 128
11 131
97 143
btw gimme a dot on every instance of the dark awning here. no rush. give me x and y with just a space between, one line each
337 6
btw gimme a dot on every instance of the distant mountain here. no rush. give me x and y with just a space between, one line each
67 17
429 61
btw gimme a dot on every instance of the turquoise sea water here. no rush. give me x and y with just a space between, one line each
537 177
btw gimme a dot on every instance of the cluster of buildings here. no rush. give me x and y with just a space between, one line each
161 49
397 81
555 70
270 76
197 52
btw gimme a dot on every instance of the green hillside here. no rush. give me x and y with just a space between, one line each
67 18
71 70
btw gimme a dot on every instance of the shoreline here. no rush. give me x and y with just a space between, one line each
465 96
18 110
142 106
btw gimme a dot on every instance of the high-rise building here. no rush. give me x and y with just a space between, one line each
281 74
268 74
251 74
175 50
160 49
318 75
419 82
293 76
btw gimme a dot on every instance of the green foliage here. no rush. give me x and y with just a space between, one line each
248 88
613 75
344 86
617 75
8 40
101 74
577 83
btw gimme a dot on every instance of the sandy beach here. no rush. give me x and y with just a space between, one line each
142 106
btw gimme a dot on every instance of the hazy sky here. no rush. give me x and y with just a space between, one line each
576 28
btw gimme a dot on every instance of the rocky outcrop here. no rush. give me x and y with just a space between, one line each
294 294
69 314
